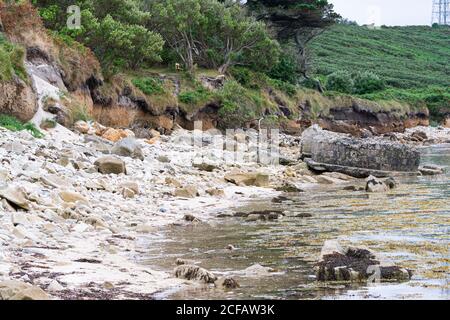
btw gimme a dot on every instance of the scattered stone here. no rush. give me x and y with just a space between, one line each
72 197
391 183
215 192
15 147
134 186
128 147
174 182
163 159
81 127
18 290
227 283
113 135
108 285
287 162
431 170
110 165
280 199
258 270
152 140
376 185
186 192
248 179
191 272
99 129
54 286
55 181
419 136
191 218
289 187
145 228
205 166
15 196
128 193
19 218
94 185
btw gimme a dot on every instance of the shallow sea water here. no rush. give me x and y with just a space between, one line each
409 225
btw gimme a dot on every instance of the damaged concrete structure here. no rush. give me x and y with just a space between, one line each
329 151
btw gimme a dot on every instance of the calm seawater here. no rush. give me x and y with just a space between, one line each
410 225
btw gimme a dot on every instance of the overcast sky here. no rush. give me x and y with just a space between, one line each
386 12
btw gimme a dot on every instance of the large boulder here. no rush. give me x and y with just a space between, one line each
18 290
15 196
375 185
186 192
353 264
192 272
359 158
110 165
128 147
248 179
17 99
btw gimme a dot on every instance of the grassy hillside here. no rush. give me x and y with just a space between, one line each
412 61
406 57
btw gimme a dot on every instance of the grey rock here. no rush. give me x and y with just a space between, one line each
15 196
355 265
248 179
227 283
186 192
128 147
374 184
110 165
18 290
191 272
431 170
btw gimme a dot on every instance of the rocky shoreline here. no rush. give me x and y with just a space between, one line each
74 230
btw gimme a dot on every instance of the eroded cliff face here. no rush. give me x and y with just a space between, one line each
69 69
127 107
360 121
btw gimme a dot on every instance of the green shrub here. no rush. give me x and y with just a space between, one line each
149 85
367 82
286 69
195 97
11 60
13 124
242 75
286 87
340 81
239 105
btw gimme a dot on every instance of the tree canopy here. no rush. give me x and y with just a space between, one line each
211 34
297 21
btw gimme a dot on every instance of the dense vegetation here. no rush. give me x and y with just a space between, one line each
11 123
265 48
11 60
